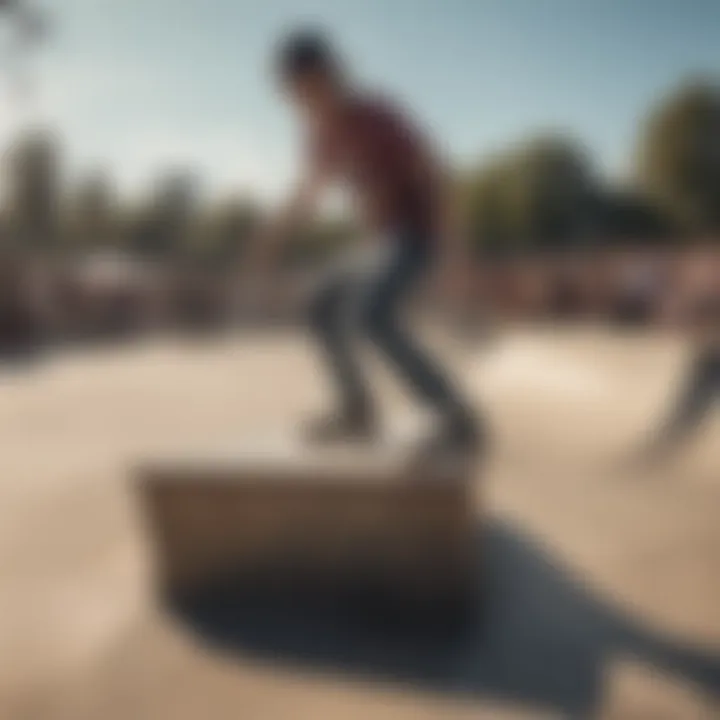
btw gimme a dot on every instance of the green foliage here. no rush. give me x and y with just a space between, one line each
91 218
678 163
164 225
319 240
33 189
485 202
225 228
538 196
629 216
543 194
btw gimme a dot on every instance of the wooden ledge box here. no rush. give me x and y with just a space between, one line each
280 516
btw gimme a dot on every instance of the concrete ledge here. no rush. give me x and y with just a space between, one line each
279 517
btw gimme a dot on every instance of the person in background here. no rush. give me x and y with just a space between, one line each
695 305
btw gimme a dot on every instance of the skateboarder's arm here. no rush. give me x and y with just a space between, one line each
296 210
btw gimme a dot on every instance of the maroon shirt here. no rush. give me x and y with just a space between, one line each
387 163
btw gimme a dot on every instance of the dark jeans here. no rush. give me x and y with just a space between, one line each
697 398
368 302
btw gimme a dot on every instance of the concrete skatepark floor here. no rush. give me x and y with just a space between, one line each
603 590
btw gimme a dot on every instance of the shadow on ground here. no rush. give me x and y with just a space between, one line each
21 358
538 638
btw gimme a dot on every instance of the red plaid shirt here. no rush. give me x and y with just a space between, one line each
386 161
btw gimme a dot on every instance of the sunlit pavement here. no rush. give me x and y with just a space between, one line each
79 637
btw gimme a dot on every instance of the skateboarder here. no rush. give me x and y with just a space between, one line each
699 309
699 395
399 190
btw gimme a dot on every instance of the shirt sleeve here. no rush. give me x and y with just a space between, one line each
401 138
321 152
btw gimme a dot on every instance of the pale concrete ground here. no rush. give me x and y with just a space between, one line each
80 638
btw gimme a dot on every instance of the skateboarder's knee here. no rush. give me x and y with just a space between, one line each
323 313
377 322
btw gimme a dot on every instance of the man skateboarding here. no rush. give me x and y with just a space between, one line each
399 189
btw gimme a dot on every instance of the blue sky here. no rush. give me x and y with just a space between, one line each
138 84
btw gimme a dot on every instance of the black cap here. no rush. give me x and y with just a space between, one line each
306 51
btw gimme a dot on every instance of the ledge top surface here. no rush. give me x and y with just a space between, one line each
285 456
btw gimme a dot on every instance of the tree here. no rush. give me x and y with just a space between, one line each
485 206
319 239
33 181
542 195
93 213
678 163
628 216
165 224
226 227
552 193
29 27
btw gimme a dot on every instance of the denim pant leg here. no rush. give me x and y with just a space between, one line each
700 394
380 313
330 323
